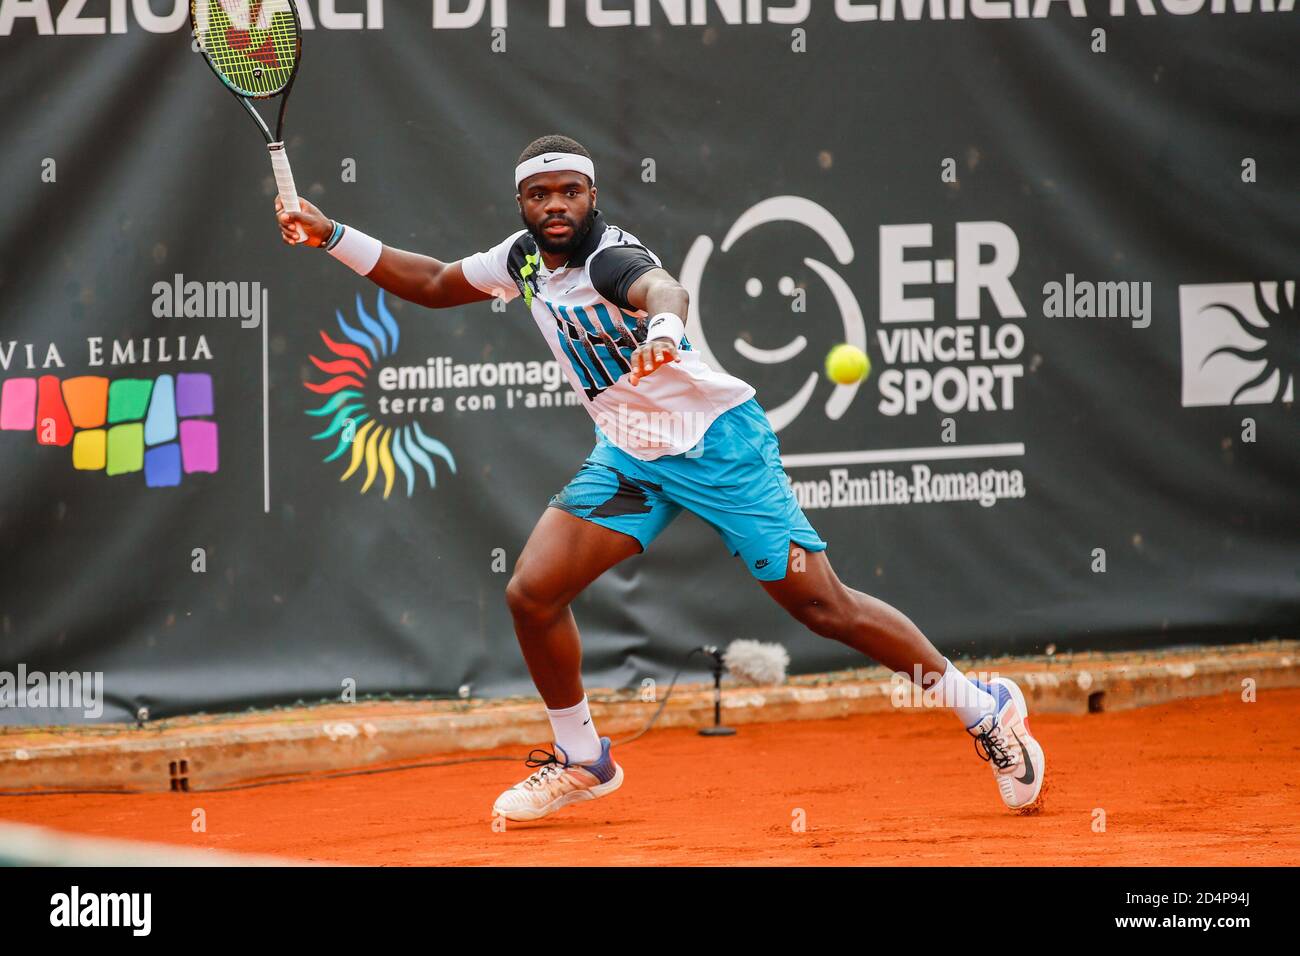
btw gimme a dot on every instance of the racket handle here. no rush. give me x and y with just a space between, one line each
284 182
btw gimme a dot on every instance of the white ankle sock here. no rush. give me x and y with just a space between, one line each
575 732
968 700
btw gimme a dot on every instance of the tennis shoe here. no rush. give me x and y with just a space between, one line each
557 783
1002 738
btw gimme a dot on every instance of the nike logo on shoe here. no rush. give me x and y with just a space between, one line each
1028 778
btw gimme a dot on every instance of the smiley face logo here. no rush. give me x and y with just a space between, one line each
806 213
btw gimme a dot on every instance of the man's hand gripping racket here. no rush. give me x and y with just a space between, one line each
307 220
254 47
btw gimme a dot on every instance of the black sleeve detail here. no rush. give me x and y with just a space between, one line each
615 269
516 259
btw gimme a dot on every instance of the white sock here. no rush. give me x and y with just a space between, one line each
969 701
575 732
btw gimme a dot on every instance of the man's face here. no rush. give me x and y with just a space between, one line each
558 209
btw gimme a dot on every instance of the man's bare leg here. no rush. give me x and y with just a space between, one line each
563 555
822 602
827 606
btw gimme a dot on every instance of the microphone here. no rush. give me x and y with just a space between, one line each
749 662
756 663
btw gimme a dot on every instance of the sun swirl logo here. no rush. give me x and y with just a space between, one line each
1241 342
383 449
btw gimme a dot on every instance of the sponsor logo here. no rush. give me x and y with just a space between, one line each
248 15
761 563
374 410
1028 778
358 368
158 426
1240 342
806 213
46 17
919 485
161 428
963 362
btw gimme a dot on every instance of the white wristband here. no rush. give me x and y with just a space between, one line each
357 251
665 325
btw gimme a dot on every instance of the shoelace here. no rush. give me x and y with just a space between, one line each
990 747
549 763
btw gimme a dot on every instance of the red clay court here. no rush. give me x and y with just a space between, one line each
1208 781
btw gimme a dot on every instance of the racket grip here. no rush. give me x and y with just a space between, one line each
284 182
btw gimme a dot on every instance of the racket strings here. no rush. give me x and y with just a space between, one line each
255 49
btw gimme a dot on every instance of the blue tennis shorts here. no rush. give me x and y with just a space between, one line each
733 480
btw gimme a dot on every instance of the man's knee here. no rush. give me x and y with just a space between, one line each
827 615
529 601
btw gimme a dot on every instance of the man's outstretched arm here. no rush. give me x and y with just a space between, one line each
420 279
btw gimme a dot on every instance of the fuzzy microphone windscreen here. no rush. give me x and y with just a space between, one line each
753 662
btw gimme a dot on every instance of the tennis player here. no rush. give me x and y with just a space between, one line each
672 434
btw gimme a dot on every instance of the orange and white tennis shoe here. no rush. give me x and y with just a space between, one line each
1002 738
558 783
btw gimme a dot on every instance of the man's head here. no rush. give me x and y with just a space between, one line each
557 204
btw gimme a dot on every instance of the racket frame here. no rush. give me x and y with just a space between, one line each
274 144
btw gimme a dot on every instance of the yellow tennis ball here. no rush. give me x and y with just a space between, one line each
847 365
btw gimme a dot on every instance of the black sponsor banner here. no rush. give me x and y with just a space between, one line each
234 474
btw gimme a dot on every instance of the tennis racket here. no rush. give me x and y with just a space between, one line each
254 47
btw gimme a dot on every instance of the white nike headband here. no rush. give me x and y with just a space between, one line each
550 162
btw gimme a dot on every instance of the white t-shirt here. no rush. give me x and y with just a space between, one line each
592 331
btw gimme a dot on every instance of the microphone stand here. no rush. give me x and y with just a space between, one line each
715 663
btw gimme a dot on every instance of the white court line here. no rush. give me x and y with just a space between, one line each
880 456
